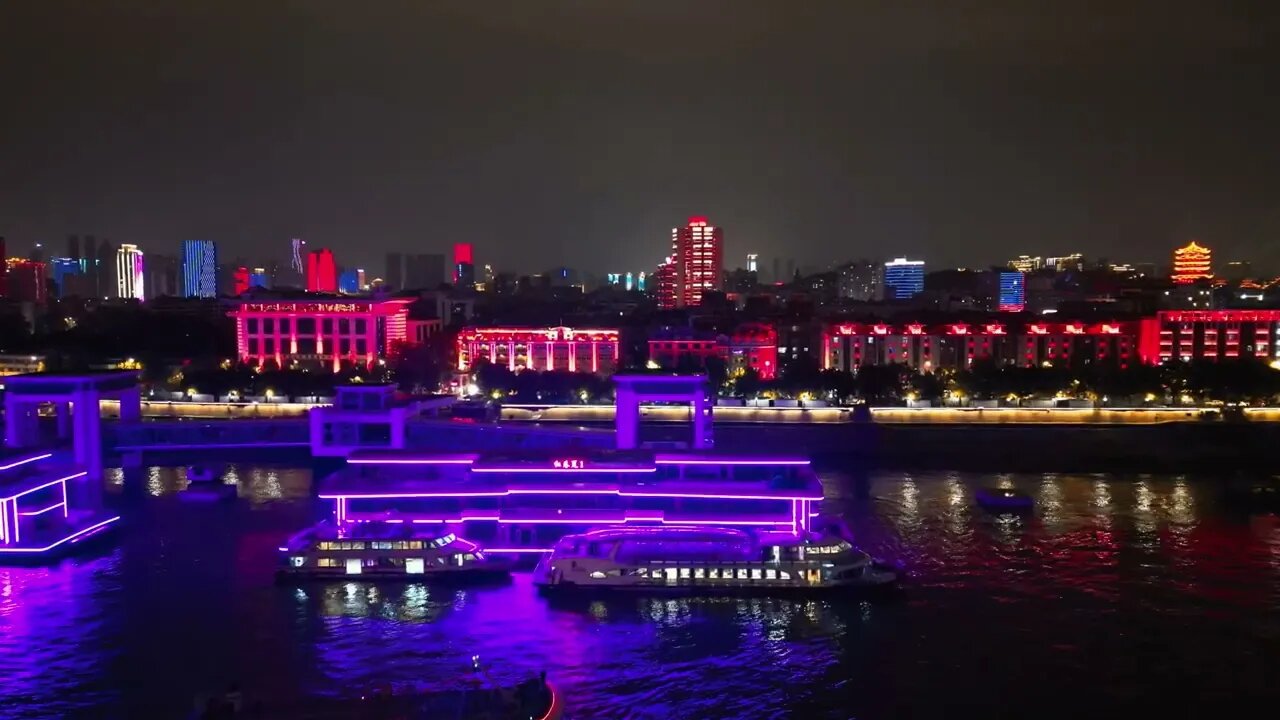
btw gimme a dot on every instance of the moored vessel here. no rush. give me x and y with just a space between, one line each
707 560
401 551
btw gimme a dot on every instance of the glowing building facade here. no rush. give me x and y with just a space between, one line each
1013 291
554 348
848 346
26 280
322 271
1212 335
129 273
327 332
696 265
1191 263
903 279
199 268
751 346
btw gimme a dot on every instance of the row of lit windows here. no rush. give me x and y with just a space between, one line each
715 573
306 325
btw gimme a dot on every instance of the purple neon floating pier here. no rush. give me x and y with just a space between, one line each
46 508
523 502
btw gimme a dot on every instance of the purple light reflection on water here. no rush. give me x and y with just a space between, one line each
1154 590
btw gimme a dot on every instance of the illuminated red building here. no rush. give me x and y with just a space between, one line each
322 271
848 346
464 264
752 345
327 332
1211 335
1191 263
240 281
696 265
553 348
26 281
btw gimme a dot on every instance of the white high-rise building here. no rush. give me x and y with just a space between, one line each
129 273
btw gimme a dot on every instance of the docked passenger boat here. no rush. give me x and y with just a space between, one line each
708 560
387 550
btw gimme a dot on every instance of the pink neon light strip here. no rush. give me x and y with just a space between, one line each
412 461
744 461
4 521
582 521
69 538
65 508
503 493
41 511
28 491
24 461
517 550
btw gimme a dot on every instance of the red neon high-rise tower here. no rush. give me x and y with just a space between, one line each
463 261
696 266
322 271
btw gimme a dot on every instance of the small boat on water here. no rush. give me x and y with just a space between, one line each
401 551
1003 499
707 560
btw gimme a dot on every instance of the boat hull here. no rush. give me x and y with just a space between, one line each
464 576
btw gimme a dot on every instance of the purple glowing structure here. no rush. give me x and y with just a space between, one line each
534 496
38 513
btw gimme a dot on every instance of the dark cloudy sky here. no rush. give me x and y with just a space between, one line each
580 131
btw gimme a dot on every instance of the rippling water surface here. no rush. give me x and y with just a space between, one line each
1121 593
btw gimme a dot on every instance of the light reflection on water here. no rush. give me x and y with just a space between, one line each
1115 587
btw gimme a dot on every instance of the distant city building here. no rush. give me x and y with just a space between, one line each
752 346
104 270
423 271
296 246
163 276
199 269
1237 270
394 273
322 331
627 281
956 345
240 283
130 273
552 348
1212 335
862 281
1191 263
259 278
4 269
349 282
903 278
696 264
1066 263
64 269
753 263
322 271
25 280
464 272
1013 291
1027 264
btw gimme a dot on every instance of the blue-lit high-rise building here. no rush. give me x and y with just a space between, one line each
349 282
903 278
199 268
63 270
1013 291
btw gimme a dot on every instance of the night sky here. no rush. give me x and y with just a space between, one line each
579 132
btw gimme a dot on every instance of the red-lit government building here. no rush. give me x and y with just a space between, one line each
847 346
1212 334
550 348
322 330
751 345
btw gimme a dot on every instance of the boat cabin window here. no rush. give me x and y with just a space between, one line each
684 573
770 574
756 574
699 573
742 573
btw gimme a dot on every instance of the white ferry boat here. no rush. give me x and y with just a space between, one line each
707 559
386 550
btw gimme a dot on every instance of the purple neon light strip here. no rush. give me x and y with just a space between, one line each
731 461
66 509
580 521
4 521
517 550
28 491
41 511
520 491
566 471
74 536
24 461
411 461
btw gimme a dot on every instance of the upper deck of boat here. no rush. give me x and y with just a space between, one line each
638 473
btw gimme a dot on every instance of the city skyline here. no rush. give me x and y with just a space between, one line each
1002 132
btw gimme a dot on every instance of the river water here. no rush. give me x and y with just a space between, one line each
1120 595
